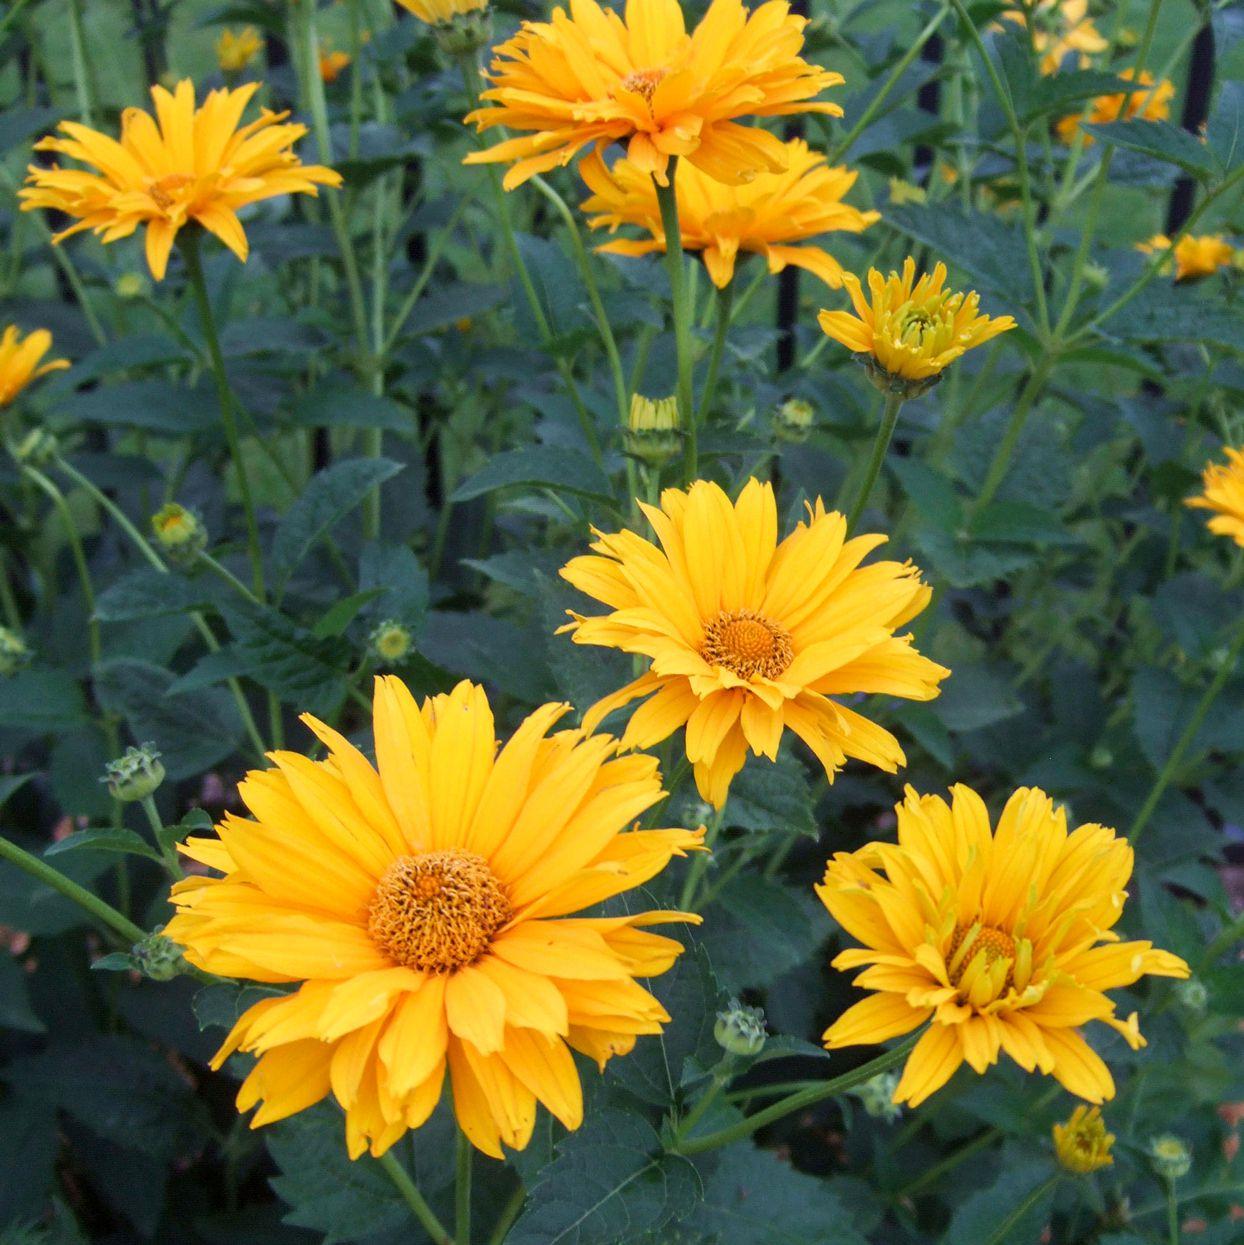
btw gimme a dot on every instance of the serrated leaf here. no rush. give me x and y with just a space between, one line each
1161 140
400 580
760 929
340 615
220 1005
773 796
15 1009
148 593
153 405
104 839
42 700
538 466
338 404
974 697
1013 1210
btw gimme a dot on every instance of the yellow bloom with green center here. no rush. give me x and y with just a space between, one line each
748 637
1082 1143
236 49
1195 257
182 166
1223 485
1001 938
391 641
911 329
21 361
425 909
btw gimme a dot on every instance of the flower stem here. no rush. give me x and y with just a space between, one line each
509 1212
668 200
103 912
1002 1233
881 443
1010 438
1172 1214
228 403
796 1102
1173 762
462 1190
414 1199
725 306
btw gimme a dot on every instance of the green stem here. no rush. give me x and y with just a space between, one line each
104 913
1002 1233
81 64
462 1190
13 10
229 577
881 443
668 199
414 1199
168 854
425 275
1010 438
1172 1214
725 305
509 1212
796 1102
228 403
1173 762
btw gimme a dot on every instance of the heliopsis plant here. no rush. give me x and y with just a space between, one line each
776 215
182 166
21 361
1222 493
425 909
591 78
1000 938
747 636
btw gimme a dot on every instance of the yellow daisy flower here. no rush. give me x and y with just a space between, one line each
1147 103
911 330
236 49
1194 257
333 64
748 636
183 165
1059 28
1224 495
770 215
1082 1143
424 907
594 77
20 361
1002 938
442 12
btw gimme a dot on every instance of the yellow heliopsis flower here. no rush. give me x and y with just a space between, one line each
747 636
333 64
594 77
1223 485
1082 1143
1003 939
442 12
1194 257
1149 102
911 330
1060 28
770 215
184 165
425 907
236 49
20 361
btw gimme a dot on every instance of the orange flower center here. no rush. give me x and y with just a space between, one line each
165 191
747 645
970 940
437 911
645 81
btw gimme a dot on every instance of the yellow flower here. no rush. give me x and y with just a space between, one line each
332 64
594 77
1152 103
748 637
183 165
765 215
19 361
424 906
1082 1144
1061 27
234 51
1224 494
1003 939
1194 257
912 329
442 12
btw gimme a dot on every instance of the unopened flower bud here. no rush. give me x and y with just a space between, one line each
134 776
1193 994
159 957
877 1096
391 642
890 383
740 1030
465 33
1170 1156
14 653
653 432
1082 1143
1101 757
179 532
37 448
793 420
130 285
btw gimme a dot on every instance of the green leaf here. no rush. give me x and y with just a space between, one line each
400 580
27 1158
338 404
9 783
974 697
760 929
33 906
225 663
328 498
148 593
1058 93
153 405
117 840
1021 523
339 616
42 701
220 1005
15 1009
441 308
773 796
539 466
1161 140
1013 1210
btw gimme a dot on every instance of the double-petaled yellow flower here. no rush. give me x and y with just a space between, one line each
424 908
911 330
592 77
1003 939
1149 102
20 361
1194 257
1060 28
774 215
185 165
236 49
748 637
1223 485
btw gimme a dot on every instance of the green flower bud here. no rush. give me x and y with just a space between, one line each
159 957
1170 1156
391 642
793 420
131 285
1193 994
37 448
877 1096
740 1030
1101 757
14 653
465 34
134 776
653 431
179 532
890 383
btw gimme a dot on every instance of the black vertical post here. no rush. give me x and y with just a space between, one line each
788 278
1195 114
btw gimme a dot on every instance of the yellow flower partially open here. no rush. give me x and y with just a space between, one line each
1082 1143
772 215
20 361
1194 257
1149 102
424 907
748 637
236 49
1223 485
1002 938
591 76
183 165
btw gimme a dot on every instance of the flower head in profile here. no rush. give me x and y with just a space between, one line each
1223 493
748 637
1194 256
910 330
21 361
1002 938
182 166
424 909
236 49
1082 1143
591 76
1149 102
772 215
1060 28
